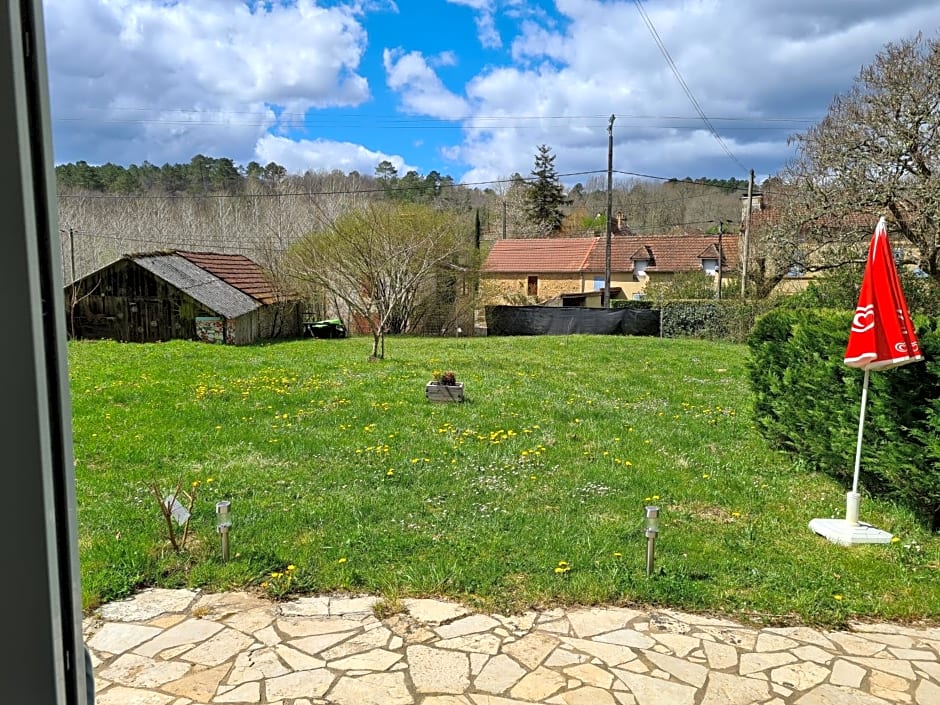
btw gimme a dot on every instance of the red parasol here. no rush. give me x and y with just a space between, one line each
882 334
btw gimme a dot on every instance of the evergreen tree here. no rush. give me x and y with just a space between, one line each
545 196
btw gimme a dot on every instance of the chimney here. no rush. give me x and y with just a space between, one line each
619 221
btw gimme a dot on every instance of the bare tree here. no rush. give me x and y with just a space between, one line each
877 152
377 260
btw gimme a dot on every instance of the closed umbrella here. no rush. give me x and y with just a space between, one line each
882 337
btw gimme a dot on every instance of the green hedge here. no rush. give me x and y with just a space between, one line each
634 304
807 401
727 319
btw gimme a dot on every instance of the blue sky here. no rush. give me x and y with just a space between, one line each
469 88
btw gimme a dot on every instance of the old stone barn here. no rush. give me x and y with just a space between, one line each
220 298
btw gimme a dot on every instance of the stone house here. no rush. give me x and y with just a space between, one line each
535 271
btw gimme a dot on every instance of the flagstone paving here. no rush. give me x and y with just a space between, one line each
180 647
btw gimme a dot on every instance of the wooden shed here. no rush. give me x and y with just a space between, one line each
223 298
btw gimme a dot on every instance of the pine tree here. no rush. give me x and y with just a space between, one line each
545 195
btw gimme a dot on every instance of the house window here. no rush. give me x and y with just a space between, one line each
639 267
598 283
532 286
710 266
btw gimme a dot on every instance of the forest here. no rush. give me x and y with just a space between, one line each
106 211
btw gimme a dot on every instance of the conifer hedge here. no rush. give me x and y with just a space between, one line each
807 402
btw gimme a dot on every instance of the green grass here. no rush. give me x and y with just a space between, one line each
342 468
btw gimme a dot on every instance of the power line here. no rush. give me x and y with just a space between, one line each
685 87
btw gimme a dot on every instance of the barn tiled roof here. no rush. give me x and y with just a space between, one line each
665 253
237 271
202 285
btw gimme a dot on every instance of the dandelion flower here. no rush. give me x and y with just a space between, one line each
618 554
837 598
291 567
895 539
342 560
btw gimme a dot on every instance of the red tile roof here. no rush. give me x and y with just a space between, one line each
544 255
666 253
237 271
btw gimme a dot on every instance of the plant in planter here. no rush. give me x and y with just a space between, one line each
444 387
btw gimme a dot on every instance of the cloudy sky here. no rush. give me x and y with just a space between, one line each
469 88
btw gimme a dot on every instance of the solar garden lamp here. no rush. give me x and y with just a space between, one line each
652 530
223 523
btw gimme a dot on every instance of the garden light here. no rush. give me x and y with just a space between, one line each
652 530
223 524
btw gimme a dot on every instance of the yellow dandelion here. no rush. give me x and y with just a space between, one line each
618 554
837 598
342 560
390 472
895 539
291 567
705 475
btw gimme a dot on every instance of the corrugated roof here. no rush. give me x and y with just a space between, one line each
666 253
237 271
204 286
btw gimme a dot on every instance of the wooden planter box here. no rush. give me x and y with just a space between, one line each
444 392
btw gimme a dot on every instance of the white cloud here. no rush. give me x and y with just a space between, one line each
324 155
486 31
422 92
479 5
210 55
568 76
163 80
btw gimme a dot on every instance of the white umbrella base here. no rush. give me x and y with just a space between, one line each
845 534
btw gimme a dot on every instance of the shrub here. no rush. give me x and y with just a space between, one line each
807 401
727 319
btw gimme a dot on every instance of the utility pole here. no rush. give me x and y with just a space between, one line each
72 252
610 189
504 219
720 223
747 232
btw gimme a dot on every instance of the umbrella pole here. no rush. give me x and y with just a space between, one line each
852 498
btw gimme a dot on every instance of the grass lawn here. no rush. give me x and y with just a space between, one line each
341 468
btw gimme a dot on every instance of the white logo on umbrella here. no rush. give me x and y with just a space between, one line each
864 319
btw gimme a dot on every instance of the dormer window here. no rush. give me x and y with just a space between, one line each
710 266
639 267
